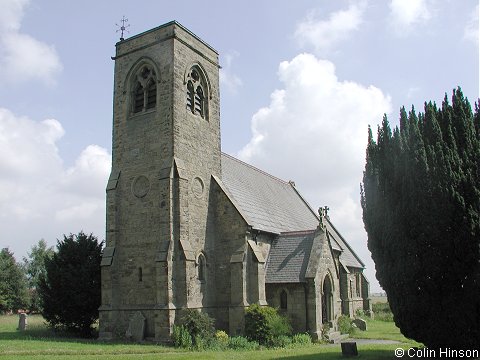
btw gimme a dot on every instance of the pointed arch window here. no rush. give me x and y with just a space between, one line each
144 94
202 267
196 97
283 300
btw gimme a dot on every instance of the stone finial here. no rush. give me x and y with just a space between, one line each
323 215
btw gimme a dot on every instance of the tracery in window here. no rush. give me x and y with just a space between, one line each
196 96
144 90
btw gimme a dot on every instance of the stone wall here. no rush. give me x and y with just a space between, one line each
158 219
296 302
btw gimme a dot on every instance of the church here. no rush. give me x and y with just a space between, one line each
189 227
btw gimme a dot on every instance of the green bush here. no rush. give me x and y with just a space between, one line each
241 343
221 336
70 287
281 341
382 311
181 337
325 331
264 324
345 325
302 339
199 325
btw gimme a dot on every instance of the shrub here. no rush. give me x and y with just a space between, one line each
325 331
181 337
221 336
345 325
382 311
281 341
264 324
302 339
70 287
241 343
199 325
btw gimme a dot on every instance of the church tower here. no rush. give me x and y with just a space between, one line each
165 150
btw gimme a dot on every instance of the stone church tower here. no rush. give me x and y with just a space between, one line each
165 150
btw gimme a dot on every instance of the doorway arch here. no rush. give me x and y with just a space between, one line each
327 300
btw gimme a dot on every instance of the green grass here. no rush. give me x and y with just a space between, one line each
385 330
38 343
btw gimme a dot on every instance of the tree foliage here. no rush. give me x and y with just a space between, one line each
13 285
34 267
70 289
421 210
265 325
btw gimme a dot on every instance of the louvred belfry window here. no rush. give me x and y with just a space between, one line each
196 98
144 90
138 99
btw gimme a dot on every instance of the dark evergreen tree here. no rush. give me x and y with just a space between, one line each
70 289
421 210
13 283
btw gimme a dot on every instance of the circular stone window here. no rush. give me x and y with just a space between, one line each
198 187
140 186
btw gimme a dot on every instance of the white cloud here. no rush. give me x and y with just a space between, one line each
39 197
471 29
314 131
23 57
227 78
323 34
406 13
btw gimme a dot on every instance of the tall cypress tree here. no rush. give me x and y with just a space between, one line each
421 210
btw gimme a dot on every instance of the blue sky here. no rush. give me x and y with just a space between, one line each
300 83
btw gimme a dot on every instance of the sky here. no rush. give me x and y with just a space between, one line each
300 83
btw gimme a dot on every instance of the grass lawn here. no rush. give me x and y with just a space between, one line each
38 343
385 330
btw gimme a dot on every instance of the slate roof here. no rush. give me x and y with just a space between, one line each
348 256
288 258
268 203
273 205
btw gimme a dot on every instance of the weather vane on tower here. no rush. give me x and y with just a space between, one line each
123 27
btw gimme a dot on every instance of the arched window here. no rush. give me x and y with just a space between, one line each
196 97
202 267
283 300
144 94
358 285
140 274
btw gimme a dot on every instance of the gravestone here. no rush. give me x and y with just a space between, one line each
22 322
136 327
349 348
360 324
